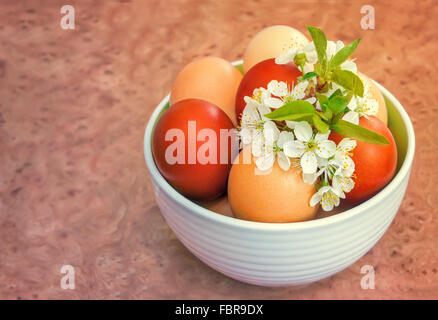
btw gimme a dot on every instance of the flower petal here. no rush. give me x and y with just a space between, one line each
347 184
349 66
339 158
326 149
326 206
303 131
316 199
308 162
319 137
309 178
329 199
291 124
265 162
331 49
348 167
258 142
309 47
308 67
324 189
347 144
257 94
287 57
262 109
283 161
370 107
270 132
284 137
250 116
336 183
339 45
352 105
351 116
245 135
322 162
312 57
299 91
277 88
294 149
272 102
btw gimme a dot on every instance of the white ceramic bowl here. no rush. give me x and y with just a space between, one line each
283 254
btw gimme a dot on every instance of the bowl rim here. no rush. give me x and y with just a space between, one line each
272 226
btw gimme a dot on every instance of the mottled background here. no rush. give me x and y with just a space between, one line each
73 108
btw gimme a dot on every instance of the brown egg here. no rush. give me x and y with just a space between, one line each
279 196
375 93
211 79
270 43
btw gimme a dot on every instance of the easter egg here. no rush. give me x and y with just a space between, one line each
374 164
190 150
259 76
274 196
271 42
211 79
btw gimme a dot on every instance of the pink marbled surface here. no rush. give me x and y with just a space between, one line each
73 107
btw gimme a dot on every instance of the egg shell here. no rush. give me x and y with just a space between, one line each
211 79
375 165
278 196
261 75
272 42
177 132
375 93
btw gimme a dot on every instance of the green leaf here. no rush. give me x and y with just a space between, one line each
349 81
328 114
324 66
356 132
320 125
292 108
343 54
337 117
318 68
338 92
337 104
322 116
300 60
309 75
322 100
320 42
300 117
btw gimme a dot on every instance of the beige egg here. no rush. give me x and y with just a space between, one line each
375 93
270 43
278 196
212 79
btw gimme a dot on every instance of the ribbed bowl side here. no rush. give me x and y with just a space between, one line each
281 257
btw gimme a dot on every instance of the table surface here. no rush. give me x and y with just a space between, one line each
73 107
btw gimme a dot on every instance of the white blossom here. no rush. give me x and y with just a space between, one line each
342 183
308 146
361 107
273 141
328 197
281 93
